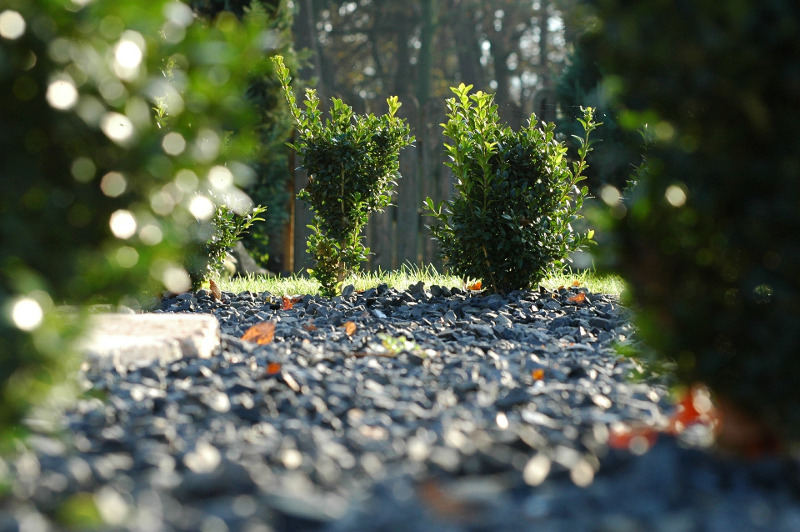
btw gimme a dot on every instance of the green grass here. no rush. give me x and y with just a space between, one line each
408 275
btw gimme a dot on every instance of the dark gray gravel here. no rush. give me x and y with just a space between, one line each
427 417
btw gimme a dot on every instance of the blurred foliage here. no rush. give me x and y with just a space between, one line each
101 203
710 238
616 150
353 163
516 198
268 186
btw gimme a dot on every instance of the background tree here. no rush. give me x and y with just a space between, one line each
364 50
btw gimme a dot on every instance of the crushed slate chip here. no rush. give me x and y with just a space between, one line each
432 408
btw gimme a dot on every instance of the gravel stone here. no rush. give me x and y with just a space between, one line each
444 409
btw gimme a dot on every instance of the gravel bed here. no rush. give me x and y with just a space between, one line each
425 409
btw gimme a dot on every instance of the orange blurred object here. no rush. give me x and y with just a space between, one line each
538 374
637 440
349 328
474 286
273 368
260 333
287 303
578 299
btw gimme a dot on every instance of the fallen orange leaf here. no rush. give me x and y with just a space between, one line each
260 333
309 327
474 286
287 303
576 283
216 293
273 368
538 374
349 328
578 299
632 439
695 407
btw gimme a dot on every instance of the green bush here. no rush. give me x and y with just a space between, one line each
228 228
509 222
100 202
352 163
710 240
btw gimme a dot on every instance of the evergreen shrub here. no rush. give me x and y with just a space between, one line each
352 163
100 202
710 239
516 197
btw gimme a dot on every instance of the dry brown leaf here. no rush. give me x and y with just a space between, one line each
578 299
260 333
309 327
216 293
349 328
273 368
538 374
576 283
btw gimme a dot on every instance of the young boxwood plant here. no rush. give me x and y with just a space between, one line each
352 164
227 228
516 198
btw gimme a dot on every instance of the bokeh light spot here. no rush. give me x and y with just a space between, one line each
123 224
113 184
162 202
126 257
151 234
117 127
176 279
536 470
26 313
179 13
675 195
201 208
610 195
62 94
220 178
83 169
206 146
128 54
186 180
12 25
173 143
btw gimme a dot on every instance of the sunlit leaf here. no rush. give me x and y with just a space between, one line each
538 374
578 299
216 293
287 303
349 328
475 286
260 333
